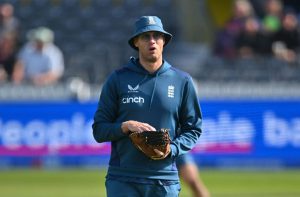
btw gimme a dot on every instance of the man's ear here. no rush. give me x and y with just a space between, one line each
135 40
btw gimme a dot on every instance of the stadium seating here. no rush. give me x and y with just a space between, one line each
79 25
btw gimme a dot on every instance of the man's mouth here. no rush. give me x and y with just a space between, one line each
152 48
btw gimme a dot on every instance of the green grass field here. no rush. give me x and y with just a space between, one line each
90 183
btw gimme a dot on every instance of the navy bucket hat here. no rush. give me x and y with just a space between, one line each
148 23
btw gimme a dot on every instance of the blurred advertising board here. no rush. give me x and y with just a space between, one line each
250 133
260 133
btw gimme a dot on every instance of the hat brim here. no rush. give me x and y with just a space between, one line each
168 36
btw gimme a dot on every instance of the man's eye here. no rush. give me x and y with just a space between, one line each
145 37
157 36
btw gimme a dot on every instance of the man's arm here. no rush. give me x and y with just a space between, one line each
18 72
190 118
104 127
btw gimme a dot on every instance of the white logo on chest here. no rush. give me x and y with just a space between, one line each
133 99
136 99
131 89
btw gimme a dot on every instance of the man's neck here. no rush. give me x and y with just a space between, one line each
151 67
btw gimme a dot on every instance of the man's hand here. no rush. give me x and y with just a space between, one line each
154 144
135 126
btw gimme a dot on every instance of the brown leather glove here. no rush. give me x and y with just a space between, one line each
154 144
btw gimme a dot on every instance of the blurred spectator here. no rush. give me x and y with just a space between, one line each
226 38
272 19
8 22
9 40
8 51
287 40
248 41
40 61
271 23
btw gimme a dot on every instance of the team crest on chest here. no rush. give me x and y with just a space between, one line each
171 90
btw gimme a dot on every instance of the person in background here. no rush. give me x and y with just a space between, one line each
249 42
271 21
9 41
8 52
286 41
189 173
8 22
225 44
270 24
39 61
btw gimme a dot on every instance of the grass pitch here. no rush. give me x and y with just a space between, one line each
90 183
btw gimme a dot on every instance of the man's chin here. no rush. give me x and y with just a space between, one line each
152 59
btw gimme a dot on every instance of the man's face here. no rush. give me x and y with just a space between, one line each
39 45
150 45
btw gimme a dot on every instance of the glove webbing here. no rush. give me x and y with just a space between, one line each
156 138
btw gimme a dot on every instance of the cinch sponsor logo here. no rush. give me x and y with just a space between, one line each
136 99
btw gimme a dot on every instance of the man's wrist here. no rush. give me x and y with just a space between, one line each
124 127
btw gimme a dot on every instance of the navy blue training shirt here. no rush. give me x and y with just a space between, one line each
164 99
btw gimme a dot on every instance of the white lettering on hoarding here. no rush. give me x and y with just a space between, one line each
55 134
227 130
279 132
59 134
35 134
10 133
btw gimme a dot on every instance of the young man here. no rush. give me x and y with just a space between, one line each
147 94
